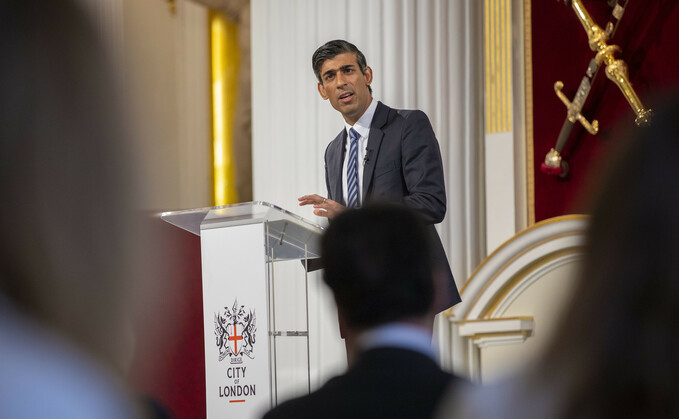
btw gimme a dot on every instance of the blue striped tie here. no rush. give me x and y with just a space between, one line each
352 171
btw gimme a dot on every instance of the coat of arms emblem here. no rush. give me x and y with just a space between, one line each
235 333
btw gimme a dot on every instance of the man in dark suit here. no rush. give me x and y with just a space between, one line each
396 156
378 266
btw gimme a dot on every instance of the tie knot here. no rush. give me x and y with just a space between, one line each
353 134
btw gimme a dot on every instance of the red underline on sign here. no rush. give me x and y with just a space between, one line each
236 401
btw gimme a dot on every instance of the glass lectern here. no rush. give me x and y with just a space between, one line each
240 245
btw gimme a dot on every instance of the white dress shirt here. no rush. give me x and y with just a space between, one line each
362 127
397 335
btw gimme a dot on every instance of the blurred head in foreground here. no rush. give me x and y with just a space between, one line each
378 265
65 217
617 351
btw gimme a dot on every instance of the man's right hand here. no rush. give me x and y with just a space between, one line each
323 207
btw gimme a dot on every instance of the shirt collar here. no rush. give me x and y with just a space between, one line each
362 126
398 335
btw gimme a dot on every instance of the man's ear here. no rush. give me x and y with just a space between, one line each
368 74
321 90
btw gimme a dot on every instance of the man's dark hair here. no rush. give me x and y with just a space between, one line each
378 265
332 49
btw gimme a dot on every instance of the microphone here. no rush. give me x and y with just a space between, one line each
366 159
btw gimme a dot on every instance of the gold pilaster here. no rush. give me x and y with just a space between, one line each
528 89
224 64
498 68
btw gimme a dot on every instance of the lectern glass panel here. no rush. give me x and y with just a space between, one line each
290 236
240 245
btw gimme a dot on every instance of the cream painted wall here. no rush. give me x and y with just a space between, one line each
165 59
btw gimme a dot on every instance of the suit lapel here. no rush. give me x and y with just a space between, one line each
335 167
373 148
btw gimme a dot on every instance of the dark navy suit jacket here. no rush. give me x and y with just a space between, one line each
403 164
384 383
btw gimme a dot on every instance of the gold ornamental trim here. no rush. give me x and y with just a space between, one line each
528 91
498 68
500 319
571 217
479 336
523 273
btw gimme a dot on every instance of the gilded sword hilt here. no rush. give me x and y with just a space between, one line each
616 69
575 107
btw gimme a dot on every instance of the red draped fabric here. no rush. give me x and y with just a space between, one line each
649 37
169 359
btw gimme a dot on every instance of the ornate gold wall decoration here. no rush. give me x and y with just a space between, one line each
225 63
554 164
498 66
528 89
616 69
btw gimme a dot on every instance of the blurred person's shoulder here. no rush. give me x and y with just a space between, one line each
510 398
42 375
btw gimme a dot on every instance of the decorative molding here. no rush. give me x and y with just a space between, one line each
492 327
477 322
530 274
500 339
575 218
528 246
521 266
497 332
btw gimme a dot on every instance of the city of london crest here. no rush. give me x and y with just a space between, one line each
235 333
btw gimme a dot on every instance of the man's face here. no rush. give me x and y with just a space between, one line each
345 86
